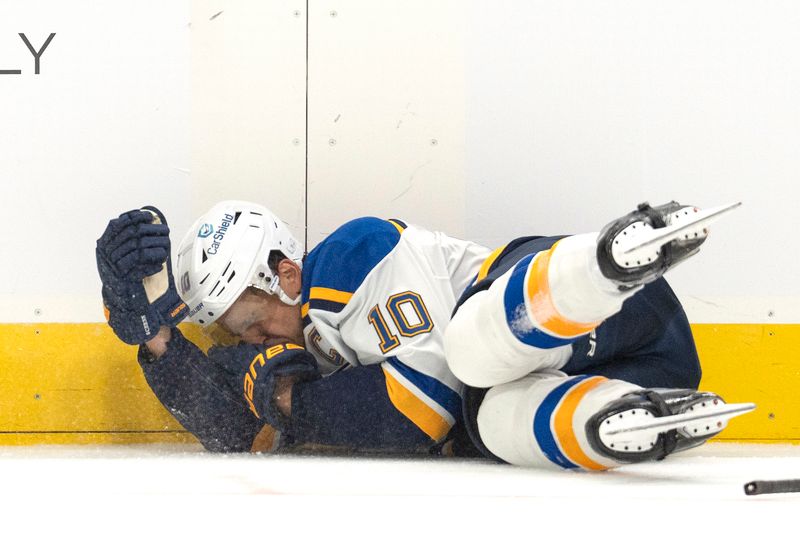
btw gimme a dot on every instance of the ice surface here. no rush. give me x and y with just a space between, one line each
154 487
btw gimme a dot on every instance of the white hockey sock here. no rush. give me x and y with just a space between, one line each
527 320
579 292
540 420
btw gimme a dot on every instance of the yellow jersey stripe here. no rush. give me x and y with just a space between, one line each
397 226
541 304
332 295
487 264
563 426
420 413
304 310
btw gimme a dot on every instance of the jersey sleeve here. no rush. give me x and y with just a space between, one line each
351 409
382 294
196 391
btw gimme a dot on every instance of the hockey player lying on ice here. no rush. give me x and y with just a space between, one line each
549 352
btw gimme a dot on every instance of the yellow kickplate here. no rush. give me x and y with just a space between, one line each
76 383
754 363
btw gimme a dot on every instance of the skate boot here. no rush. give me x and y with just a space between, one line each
642 245
650 424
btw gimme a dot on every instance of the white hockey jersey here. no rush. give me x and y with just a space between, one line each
382 292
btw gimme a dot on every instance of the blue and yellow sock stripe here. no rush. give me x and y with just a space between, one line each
530 312
431 405
553 424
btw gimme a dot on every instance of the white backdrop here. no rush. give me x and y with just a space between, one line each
102 129
578 110
486 120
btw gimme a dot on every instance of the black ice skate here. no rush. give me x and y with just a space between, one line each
642 245
652 423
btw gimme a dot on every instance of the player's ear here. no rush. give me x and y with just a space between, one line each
290 277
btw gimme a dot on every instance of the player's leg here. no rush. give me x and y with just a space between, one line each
529 316
526 320
551 420
649 343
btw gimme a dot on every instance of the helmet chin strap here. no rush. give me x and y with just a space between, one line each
289 301
275 289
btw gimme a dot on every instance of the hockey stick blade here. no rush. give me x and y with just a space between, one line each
667 423
772 487
663 235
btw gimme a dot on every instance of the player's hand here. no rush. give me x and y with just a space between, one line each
133 246
260 373
133 260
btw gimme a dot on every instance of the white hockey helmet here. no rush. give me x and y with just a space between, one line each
226 251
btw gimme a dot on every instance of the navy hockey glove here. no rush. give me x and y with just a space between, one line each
133 259
254 369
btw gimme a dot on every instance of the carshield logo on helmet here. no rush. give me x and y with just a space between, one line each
205 230
224 224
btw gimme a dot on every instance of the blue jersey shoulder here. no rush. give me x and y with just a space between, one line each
336 267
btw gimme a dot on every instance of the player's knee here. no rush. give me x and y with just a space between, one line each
481 350
471 348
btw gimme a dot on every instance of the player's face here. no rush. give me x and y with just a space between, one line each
258 318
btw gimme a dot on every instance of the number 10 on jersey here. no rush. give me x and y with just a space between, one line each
410 317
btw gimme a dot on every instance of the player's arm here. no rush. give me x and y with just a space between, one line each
157 346
406 401
352 409
349 409
198 392
142 305
376 291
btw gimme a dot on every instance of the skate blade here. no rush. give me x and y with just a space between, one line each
662 236
666 423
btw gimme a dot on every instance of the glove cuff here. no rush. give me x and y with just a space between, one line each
259 380
264 390
170 308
